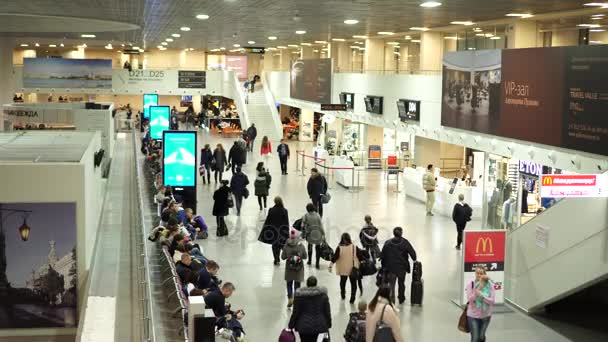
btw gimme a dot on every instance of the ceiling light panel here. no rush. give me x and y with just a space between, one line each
430 4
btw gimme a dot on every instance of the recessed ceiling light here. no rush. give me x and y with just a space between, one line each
351 21
52 45
320 42
495 38
315 50
393 43
293 45
465 23
597 4
430 4
24 45
520 15
176 35
359 37
415 28
480 35
202 17
589 25
37 45
87 35
160 46
300 32
596 18
306 44
251 42
386 33
597 30
281 47
408 38
123 45
237 45
137 47
354 47
222 48
164 43
61 45
477 29
109 47
415 40
338 39
451 38
169 39
595 42
488 35
272 38
191 49
185 28
598 15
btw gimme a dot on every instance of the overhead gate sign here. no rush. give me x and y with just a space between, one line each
486 249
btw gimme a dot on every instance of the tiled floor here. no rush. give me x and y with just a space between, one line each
260 286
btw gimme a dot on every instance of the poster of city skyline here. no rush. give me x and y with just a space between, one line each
38 276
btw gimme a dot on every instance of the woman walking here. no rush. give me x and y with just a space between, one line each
312 225
311 314
346 260
221 208
219 155
294 253
480 293
238 186
381 310
206 161
262 185
276 229
266 150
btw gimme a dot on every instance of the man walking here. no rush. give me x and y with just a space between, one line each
283 151
235 157
429 183
461 215
317 187
252 133
395 262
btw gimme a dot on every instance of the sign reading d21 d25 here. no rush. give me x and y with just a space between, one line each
191 79
558 186
179 158
486 249
159 121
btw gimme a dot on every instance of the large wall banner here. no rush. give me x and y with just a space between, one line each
485 249
38 269
311 80
552 96
179 158
67 73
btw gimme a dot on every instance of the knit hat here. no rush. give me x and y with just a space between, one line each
293 233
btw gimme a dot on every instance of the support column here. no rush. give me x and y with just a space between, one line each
523 34
284 59
431 51
7 86
268 61
306 52
390 64
450 45
564 38
404 58
373 59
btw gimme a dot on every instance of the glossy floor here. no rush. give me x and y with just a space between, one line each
261 289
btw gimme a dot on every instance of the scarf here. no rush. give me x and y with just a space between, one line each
485 291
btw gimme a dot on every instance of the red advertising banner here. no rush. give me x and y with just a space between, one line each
486 249
392 161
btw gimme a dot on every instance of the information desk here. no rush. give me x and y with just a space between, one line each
444 201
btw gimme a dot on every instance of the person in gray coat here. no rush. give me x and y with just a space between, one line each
312 225
295 254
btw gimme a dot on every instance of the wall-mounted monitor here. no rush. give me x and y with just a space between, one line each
409 110
348 99
159 121
149 100
374 104
179 158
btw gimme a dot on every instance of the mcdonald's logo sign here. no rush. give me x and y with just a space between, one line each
547 180
486 245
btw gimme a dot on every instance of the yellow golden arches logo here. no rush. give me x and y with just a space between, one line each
548 180
484 243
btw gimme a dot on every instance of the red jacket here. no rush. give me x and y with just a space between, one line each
267 150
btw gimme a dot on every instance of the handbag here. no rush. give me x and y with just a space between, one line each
354 272
246 193
287 335
383 332
367 267
463 322
201 170
230 201
326 252
325 198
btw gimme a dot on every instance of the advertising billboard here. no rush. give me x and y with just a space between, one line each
551 96
485 249
149 100
311 80
67 73
179 158
159 121
559 186
238 64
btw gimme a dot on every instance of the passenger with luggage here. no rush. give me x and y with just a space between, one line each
481 296
355 329
346 259
382 323
395 257
294 254
219 162
311 314
262 185
312 225
317 187
276 229
205 166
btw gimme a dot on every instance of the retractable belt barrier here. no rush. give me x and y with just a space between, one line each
326 169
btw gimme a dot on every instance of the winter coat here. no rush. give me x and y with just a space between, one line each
238 183
220 159
390 318
276 227
428 181
262 183
220 206
311 312
235 156
368 236
206 157
252 133
395 256
346 257
317 185
459 215
294 247
312 225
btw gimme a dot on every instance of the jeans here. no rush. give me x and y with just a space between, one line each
478 328
276 252
459 230
216 173
317 251
318 204
264 198
353 287
238 203
292 287
400 282
283 160
251 145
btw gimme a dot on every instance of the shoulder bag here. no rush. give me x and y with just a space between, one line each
383 333
463 322
354 272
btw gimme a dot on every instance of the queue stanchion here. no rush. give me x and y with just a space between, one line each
303 164
297 161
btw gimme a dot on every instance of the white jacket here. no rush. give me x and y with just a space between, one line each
428 181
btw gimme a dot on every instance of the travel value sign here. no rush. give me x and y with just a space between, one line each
179 158
486 249
559 186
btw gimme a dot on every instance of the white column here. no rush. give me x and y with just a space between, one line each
306 52
523 34
373 61
431 51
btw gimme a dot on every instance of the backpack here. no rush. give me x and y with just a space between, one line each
294 263
383 333
355 330
468 212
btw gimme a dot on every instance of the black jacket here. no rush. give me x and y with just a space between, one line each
206 281
235 156
216 301
395 256
238 183
459 215
276 227
206 157
220 159
286 147
181 268
365 233
311 312
316 186
220 204
252 132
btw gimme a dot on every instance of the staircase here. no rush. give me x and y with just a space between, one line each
264 114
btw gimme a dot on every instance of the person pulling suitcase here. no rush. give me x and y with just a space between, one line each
395 256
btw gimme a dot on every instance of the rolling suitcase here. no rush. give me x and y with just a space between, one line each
417 284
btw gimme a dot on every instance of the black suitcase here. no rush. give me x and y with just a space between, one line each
417 271
417 292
